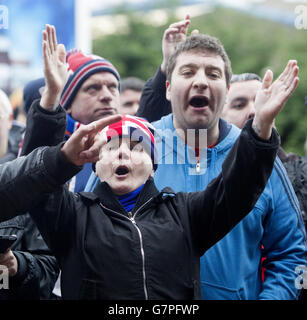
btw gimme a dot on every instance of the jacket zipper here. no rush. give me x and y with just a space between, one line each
131 218
142 254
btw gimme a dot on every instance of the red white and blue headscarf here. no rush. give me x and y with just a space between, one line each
81 67
137 129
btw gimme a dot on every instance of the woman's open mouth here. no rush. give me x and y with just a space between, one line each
122 171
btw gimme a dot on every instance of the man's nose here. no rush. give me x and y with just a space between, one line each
105 94
200 80
124 151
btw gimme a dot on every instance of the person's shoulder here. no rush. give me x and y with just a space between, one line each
165 122
229 133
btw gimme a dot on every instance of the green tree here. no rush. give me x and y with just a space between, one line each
136 52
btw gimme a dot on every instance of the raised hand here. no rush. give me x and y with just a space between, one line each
173 35
271 98
55 69
82 147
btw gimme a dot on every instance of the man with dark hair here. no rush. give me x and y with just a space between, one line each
196 91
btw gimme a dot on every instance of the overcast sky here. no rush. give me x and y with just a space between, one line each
94 4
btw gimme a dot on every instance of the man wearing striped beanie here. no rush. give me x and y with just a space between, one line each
92 88
86 86
91 91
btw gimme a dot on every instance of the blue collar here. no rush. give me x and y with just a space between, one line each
71 126
128 200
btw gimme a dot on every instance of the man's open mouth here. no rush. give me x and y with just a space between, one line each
122 170
199 102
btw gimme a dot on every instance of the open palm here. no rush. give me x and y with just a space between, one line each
271 97
54 55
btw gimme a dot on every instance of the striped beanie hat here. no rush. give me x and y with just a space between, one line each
81 67
137 129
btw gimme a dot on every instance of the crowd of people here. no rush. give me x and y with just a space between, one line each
173 188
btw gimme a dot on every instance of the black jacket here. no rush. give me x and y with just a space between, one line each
153 104
44 128
296 167
154 252
37 268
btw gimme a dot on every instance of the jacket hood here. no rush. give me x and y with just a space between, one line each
228 133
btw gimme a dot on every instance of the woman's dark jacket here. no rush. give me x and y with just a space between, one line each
152 252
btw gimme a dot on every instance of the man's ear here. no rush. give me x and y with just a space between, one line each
168 90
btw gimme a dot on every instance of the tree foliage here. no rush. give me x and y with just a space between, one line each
135 52
252 44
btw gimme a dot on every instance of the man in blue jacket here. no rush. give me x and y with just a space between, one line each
198 77
232 268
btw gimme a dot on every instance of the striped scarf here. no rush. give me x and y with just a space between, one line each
78 182
71 126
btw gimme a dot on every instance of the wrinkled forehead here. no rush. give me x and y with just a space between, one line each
200 58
